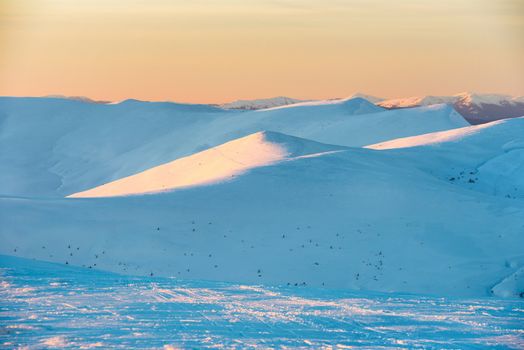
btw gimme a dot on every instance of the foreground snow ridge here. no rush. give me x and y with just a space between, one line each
214 165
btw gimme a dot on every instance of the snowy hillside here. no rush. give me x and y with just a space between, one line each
56 147
384 220
491 155
476 108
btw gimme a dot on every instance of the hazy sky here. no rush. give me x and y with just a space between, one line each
220 50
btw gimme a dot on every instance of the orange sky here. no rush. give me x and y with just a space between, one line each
216 51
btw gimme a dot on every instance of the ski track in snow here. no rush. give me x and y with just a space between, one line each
46 305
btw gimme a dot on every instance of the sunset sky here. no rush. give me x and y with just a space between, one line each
216 51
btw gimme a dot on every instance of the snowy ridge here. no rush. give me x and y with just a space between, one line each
261 103
367 105
77 98
479 99
466 98
370 98
416 101
282 101
433 138
216 164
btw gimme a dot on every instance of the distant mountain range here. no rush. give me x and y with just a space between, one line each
280 101
476 108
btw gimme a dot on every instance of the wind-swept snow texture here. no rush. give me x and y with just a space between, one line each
434 219
51 306
56 147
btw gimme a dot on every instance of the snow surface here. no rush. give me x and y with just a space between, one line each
54 147
324 231
53 306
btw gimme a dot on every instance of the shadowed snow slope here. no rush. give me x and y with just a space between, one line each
54 147
213 165
419 219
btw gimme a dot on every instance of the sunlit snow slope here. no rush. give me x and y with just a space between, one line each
213 165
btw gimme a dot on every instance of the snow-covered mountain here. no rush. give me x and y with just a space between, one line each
384 220
476 108
301 204
58 147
